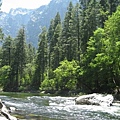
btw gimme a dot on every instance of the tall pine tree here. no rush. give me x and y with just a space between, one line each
19 60
7 60
67 32
41 60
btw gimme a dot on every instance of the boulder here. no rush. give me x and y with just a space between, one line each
4 113
95 99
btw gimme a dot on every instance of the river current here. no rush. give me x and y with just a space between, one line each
36 107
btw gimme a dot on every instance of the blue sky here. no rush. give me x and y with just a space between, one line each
8 4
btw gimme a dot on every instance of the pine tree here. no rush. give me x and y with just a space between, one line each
7 49
19 60
104 6
41 60
31 52
56 53
89 21
54 43
113 5
7 60
67 34
1 35
107 7
53 36
50 38
76 32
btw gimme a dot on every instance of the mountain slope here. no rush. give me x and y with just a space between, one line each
12 21
33 20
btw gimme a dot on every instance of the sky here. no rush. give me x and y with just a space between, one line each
30 4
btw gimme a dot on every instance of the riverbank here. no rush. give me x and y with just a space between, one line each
51 93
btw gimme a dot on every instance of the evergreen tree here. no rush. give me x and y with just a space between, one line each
76 46
53 36
67 32
6 62
56 21
50 37
56 53
113 5
19 60
31 53
41 60
7 48
104 11
29 68
89 21
107 7
1 35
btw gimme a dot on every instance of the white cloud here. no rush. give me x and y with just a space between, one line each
8 4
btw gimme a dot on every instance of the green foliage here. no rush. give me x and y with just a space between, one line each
7 51
4 76
7 59
67 34
112 30
1 35
78 38
28 74
48 84
64 77
0 55
41 61
101 62
20 58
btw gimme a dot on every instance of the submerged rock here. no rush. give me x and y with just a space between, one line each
95 99
4 113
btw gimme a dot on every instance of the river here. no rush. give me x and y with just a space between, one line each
38 107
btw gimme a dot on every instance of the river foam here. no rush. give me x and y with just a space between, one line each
62 108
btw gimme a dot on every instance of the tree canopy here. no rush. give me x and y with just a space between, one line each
80 53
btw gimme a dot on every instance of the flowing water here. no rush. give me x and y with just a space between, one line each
37 107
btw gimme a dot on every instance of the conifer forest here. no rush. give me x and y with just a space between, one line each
80 53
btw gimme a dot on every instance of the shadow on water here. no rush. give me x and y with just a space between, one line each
32 117
20 95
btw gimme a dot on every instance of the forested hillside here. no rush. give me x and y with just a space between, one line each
32 19
80 53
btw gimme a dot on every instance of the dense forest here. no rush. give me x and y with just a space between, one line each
80 53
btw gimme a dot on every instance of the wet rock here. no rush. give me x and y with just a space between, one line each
4 113
95 99
12 109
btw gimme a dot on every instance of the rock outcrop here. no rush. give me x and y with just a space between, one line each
95 99
4 113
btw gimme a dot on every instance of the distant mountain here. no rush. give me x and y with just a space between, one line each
32 20
12 21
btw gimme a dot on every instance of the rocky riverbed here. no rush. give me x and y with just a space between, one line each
5 112
36 107
95 99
